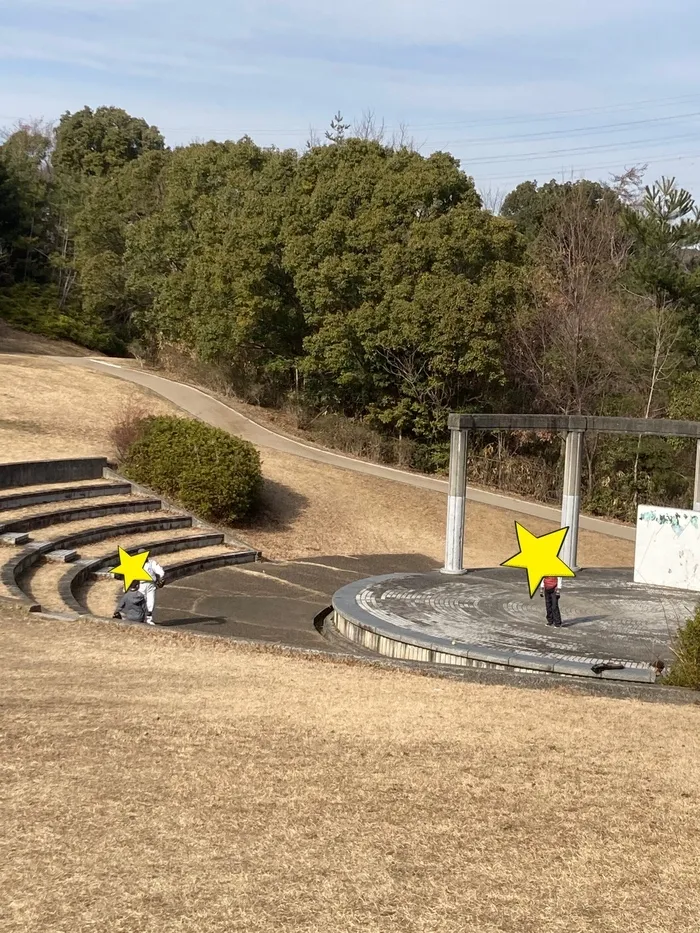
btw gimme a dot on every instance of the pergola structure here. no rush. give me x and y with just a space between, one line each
574 427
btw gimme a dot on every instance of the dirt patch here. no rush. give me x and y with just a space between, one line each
161 782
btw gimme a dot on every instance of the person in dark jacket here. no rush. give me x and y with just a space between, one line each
550 591
132 605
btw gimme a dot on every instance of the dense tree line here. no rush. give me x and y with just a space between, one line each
364 279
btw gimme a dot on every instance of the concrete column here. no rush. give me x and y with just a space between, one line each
571 496
696 490
456 501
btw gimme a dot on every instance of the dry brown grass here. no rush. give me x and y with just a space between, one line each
314 509
311 509
53 409
154 782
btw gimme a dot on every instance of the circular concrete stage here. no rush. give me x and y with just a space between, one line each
486 618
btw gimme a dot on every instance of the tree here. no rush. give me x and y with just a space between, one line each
664 223
113 204
90 147
95 143
25 159
10 223
563 340
391 256
530 206
206 265
435 340
336 133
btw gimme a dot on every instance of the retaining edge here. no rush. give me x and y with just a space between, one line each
37 472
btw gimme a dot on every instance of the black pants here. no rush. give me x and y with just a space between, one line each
551 602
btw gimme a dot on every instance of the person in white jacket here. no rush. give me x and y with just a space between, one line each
157 575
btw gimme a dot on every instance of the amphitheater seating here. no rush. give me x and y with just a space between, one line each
51 558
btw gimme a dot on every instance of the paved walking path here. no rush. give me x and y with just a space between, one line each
204 406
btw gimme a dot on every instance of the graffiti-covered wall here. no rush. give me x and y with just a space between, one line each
667 548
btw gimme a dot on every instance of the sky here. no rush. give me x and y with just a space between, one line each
516 89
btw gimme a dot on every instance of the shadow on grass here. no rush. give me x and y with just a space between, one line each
279 508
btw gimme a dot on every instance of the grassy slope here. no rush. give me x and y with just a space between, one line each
156 782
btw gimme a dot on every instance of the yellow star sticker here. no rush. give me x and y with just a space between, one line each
539 556
131 568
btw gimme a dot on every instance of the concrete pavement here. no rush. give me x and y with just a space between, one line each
272 601
202 405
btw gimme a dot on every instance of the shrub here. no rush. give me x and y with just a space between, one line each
685 670
36 309
208 471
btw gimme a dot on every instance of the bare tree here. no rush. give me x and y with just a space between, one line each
402 139
629 186
368 128
314 140
492 199
562 345
412 371
653 356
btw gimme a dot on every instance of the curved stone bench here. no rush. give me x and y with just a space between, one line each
80 571
21 500
199 564
37 472
20 563
80 513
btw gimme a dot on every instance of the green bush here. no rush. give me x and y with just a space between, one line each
208 471
35 309
685 670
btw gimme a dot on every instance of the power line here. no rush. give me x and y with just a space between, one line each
551 134
499 121
554 114
591 168
537 155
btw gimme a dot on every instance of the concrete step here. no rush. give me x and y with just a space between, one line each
41 508
201 563
100 596
43 519
15 538
55 587
42 496
22 561
139 541
62 556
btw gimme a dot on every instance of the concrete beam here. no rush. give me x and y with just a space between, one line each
660 427
696 488
513 422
